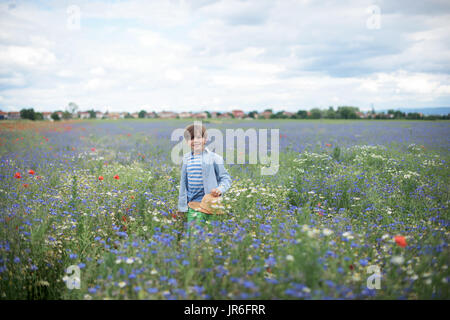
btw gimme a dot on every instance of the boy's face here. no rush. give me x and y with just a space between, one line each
197 143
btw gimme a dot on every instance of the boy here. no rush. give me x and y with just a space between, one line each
202 172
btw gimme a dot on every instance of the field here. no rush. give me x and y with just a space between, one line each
351 198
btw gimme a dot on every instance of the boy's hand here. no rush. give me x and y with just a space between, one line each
216 192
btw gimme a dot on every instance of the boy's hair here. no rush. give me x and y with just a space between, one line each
191 129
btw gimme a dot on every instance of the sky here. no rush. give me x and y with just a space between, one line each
181 55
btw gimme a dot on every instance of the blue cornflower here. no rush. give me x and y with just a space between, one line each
363 262
152 290
270 261
249 284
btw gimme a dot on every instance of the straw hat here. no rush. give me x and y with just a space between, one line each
209 205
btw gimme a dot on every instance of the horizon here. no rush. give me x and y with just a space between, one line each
274 111
223 55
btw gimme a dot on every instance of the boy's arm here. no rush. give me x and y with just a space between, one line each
222 175
182 196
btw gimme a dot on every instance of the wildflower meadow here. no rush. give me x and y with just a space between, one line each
357 210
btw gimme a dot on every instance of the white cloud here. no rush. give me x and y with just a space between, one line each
13 80
26 57
173 75
97 71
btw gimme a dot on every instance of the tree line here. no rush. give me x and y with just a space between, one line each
342 112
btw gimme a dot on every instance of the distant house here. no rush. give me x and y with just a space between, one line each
225 115
265 114
135 115
47 115
167 115
288 114
238 114
213 114
99 114
151 114
14 115
123 115
3 115
361 115
200 115
308 113
183 115
83 115
114 116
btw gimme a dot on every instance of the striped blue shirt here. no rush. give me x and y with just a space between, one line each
195 191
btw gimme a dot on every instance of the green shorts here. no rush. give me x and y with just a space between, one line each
197 217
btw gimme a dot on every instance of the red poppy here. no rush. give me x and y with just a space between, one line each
132 197
31 171
400 240
174 215
124 228
25 185
351 267
129 134
92 149
124 219
116 177
100 178
17 175
328 145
